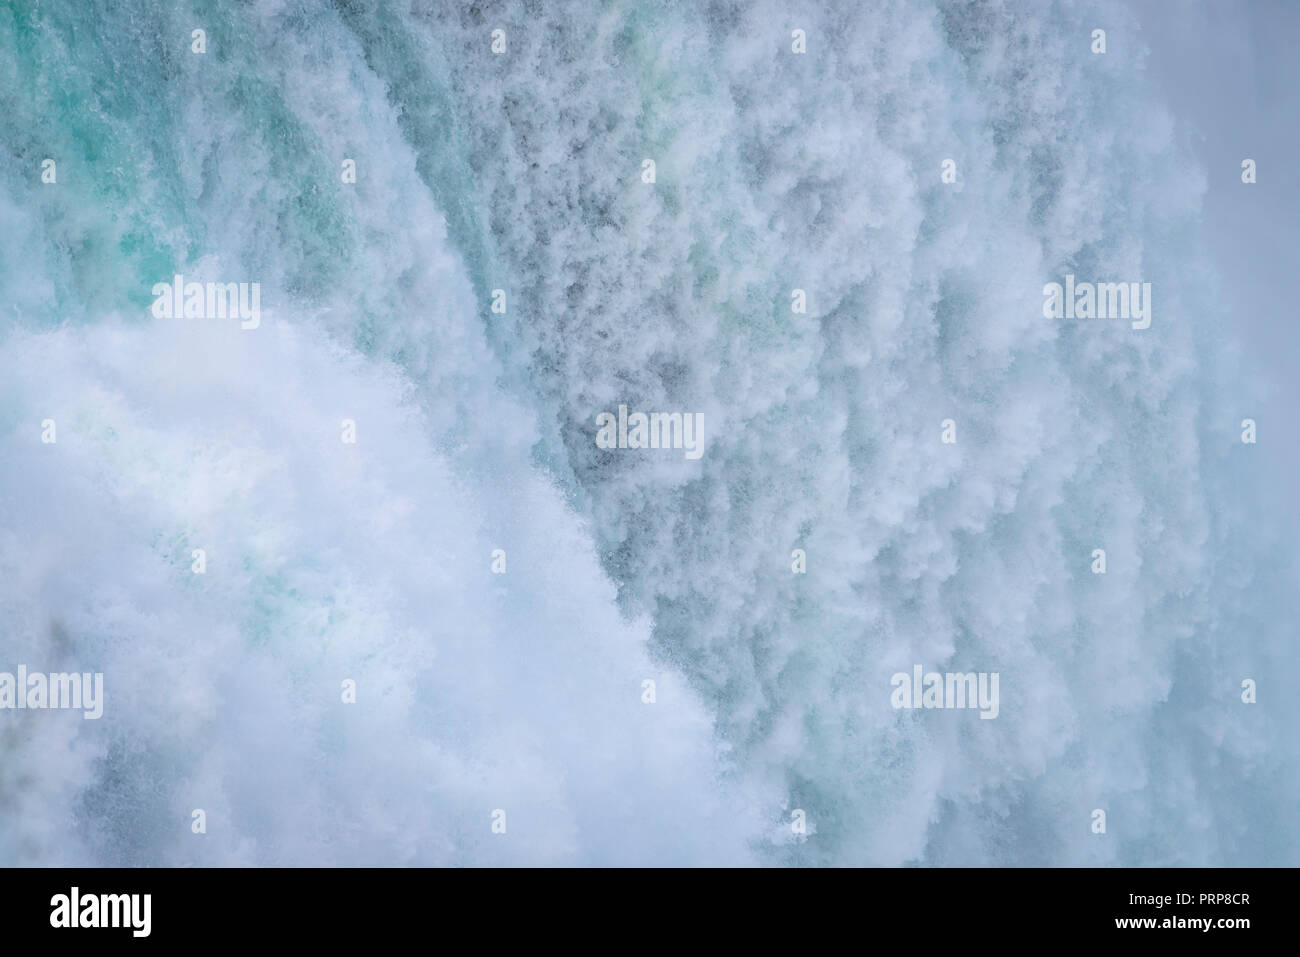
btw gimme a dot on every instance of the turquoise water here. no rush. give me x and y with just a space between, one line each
372 562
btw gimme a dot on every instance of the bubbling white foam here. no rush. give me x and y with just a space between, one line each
325 561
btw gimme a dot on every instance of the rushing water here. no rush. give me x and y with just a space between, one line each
523 691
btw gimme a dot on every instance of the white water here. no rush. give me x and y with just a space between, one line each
522 691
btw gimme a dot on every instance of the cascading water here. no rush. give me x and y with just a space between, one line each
371 562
